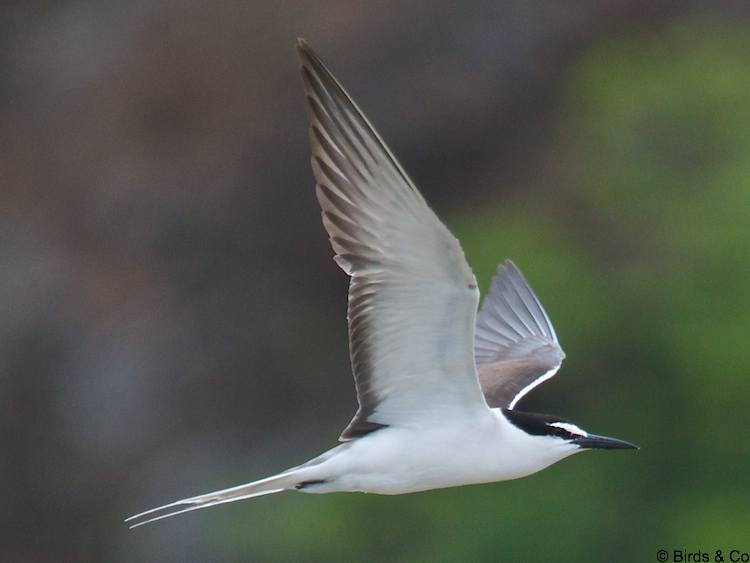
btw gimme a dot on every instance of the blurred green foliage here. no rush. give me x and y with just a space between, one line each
640 251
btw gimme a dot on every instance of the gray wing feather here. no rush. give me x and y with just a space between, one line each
412 296
516 347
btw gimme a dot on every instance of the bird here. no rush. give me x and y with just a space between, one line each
437 377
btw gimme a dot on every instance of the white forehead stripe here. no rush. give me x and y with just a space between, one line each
568 427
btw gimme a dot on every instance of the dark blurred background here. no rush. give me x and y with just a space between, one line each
171 321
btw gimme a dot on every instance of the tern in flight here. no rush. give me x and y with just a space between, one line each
436 381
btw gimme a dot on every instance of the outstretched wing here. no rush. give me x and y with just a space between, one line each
516 348
412 296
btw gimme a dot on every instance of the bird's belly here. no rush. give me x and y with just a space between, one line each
402 462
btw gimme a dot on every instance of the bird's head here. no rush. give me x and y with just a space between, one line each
545 425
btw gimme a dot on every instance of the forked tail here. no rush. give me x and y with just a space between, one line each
275 484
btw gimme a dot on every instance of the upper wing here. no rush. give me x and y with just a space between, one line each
516 347
412 296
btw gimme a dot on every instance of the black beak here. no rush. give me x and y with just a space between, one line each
603 443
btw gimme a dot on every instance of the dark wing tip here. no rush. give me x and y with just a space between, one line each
313 68
307 56
305 53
